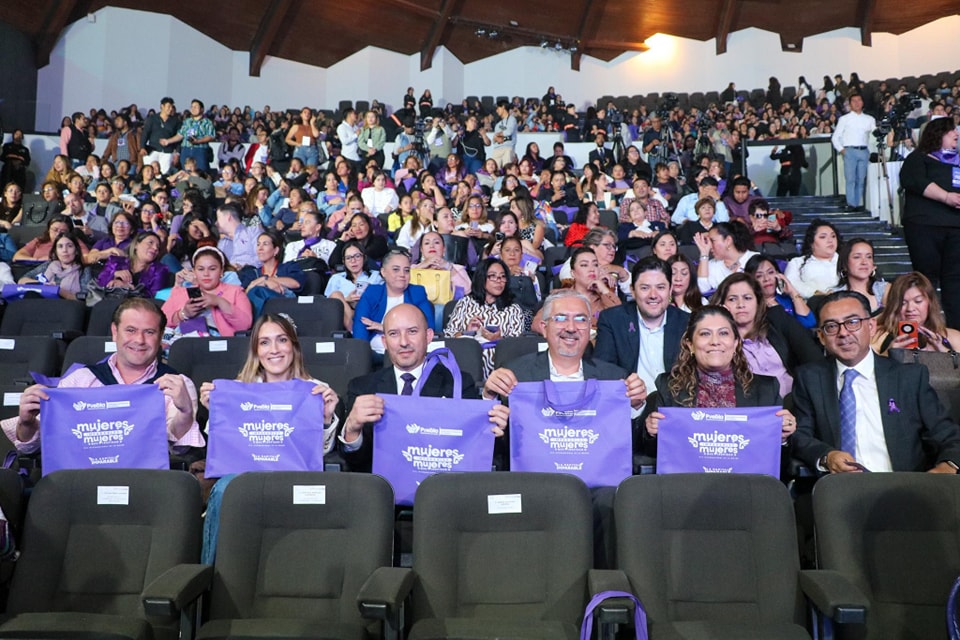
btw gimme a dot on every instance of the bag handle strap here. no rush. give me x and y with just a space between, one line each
552 394
639 614
444 357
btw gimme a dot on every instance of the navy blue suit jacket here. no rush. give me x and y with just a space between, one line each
618 336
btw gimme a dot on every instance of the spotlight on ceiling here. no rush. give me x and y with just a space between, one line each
493 33
558 46
544 44
480 33
573 48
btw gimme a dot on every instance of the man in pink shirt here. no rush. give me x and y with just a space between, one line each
137 328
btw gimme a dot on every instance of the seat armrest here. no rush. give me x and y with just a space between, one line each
177 587
384 591
611 610
835 596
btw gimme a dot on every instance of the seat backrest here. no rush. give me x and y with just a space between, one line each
897 537
42 317
501 545
512 348
944 369
23 354
285 541
314 315
94 538
336 361
101 315
709 547
88 350
205 359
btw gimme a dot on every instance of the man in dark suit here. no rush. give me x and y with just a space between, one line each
566 324
643 336
859 411
601 157
405 336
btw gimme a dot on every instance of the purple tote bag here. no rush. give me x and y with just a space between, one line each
121 426
738 440
420 436
581 428
264 426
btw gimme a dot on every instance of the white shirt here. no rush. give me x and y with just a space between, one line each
650 357
376 342
871 450
685 210
853 130
416 372
348 141
556 376
717 271
813 275
377 202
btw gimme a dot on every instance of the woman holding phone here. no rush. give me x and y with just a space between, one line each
913 318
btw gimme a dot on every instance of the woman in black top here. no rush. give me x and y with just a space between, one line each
931 215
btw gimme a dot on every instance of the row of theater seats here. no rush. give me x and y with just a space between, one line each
114 553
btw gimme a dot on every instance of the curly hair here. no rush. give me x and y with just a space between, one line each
684 377
759 328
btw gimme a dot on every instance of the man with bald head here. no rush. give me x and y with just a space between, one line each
405 336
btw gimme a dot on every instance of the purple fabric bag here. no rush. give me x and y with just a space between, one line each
580 428
121 426
12 292
739 440
275 426
420 436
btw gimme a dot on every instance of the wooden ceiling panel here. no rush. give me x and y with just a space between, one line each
324 33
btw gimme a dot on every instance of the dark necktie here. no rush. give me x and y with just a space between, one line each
408 379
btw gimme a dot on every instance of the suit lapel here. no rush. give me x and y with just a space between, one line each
831 400
886 390
387 382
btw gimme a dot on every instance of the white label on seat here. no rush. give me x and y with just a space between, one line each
113 495
217 345
110 347
326 347
7 344
433 346
542 346
304 299
309 494
11 399
505 503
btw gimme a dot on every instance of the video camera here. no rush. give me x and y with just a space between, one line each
897 116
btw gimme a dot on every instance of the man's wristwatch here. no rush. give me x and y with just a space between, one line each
953 464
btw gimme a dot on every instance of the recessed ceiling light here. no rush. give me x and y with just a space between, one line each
514 23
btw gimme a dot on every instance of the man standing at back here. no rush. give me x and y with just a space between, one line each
74 142
195 135
349 136
503 149
157 131
851 139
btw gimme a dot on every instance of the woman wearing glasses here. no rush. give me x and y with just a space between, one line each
349 284
712 371
488 312
586 273
603 241
377 299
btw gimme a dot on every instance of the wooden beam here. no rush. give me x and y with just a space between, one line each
866 12
614 45
436 33
727 12
592 10
413 7
57 17
267 32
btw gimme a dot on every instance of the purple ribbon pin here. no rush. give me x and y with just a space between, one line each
892 406
632 328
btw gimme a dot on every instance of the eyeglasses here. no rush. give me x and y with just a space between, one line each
608 245
759 216
353 256
581 320
852 325
497 277
475 205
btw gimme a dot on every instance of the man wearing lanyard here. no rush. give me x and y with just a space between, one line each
195 135
851 139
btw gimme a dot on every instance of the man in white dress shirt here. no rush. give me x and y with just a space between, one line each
851 139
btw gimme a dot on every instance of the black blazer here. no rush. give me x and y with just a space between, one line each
793 342
438 385
917 430
764 392
618 337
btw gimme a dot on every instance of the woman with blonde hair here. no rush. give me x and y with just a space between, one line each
912 299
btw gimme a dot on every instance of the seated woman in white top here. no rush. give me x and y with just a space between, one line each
815 271
379 198
416 226
730 244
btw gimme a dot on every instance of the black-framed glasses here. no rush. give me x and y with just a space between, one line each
852 325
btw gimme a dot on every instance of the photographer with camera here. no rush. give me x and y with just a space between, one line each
440 141
851 139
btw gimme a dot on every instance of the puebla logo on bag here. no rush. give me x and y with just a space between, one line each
415 429
253 406
80 405
550 412
700 416
568 440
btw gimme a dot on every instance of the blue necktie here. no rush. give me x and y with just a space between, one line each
408 379
848 414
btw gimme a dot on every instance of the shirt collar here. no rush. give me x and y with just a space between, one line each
659 327
148 373
416 372
556 374
865 367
